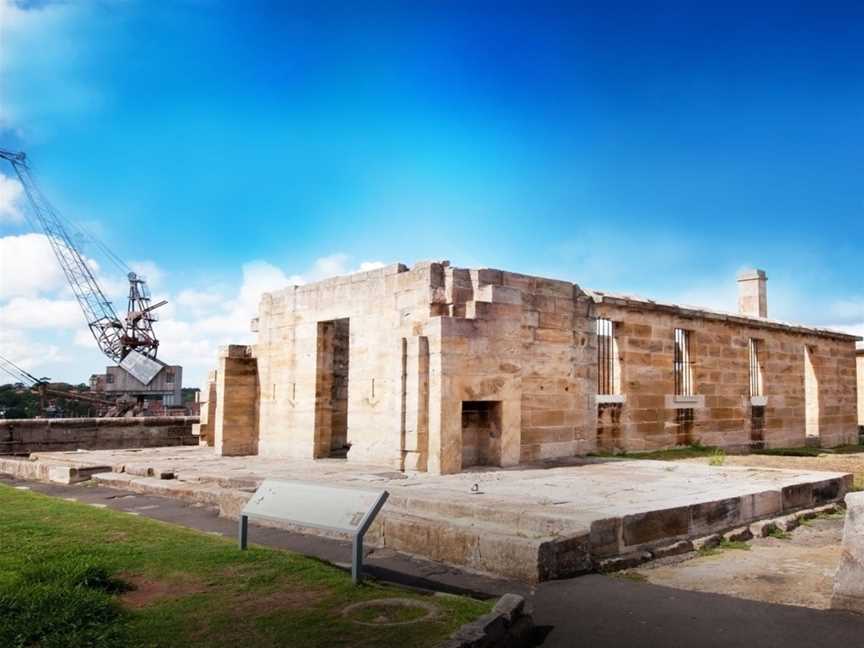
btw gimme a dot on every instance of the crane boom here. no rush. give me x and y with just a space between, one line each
114 337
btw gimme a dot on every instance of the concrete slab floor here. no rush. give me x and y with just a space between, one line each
584 490
528 523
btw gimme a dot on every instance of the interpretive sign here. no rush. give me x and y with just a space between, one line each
337 508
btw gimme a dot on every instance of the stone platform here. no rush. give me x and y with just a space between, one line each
531 523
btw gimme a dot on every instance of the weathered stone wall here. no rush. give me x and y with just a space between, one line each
860 359
235 431
438 368
722 412
527 342
207 409
421 342
23 436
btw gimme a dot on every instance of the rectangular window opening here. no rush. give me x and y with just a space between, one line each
756 378
683 366
608 370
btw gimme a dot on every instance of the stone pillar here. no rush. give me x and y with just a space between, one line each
753 293
206 411
416 441
511 432
849 579
235 431
445 422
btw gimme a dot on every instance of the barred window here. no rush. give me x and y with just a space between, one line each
683 366
755 367
606 377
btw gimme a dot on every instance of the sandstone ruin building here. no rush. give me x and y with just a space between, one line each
437 368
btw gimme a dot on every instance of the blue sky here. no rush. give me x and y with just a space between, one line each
228 148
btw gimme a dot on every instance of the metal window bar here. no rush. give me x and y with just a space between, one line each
755 373
605 358
682 365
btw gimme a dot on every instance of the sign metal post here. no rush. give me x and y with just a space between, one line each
337 508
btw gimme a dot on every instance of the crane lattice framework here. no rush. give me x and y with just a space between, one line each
115 337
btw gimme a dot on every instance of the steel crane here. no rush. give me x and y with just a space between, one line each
116 338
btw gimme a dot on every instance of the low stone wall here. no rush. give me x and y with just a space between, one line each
23 436
849 579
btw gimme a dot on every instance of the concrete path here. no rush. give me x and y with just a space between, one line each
597 611
603 612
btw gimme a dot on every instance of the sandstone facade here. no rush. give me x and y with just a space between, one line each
861 388
23 436
437 368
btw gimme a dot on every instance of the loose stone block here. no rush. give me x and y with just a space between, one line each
649 527
849 579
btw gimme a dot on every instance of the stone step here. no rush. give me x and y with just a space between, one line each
58 472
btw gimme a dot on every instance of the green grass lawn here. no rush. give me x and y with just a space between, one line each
73 575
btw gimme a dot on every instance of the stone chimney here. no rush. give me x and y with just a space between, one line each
752 293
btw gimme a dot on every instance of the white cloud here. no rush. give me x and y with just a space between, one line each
259 277
213 321
190 329
196 299
30 355
28 267
11 194
36 313
149 271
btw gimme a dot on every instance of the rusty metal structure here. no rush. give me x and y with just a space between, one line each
116 337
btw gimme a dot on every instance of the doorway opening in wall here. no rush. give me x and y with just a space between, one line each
331 389
811 397
481 433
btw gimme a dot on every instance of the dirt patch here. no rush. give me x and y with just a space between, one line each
795 571
148 591
254 604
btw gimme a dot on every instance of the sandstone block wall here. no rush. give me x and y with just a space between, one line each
23 436
235 431
207 409
722 413
441 368
424 344
860 363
